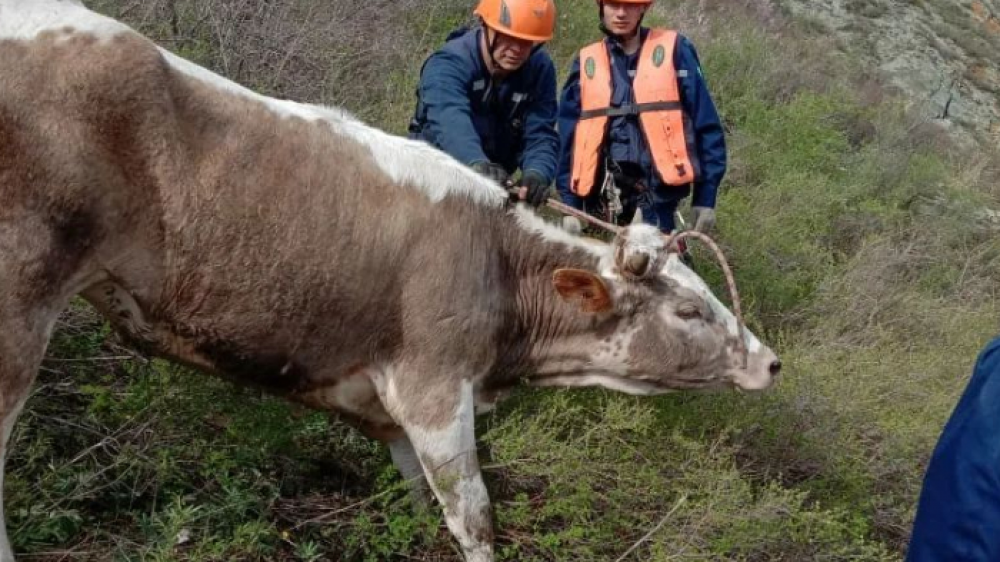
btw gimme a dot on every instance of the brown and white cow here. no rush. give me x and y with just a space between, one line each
291 247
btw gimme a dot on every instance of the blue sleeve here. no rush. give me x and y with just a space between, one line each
958 516
444 86
707 127
569 114
541 142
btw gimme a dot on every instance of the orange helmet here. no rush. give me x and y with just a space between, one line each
531 20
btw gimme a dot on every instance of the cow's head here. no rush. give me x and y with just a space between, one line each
654 326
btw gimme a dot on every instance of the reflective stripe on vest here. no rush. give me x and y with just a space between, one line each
657 103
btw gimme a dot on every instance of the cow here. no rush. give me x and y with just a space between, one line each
292 248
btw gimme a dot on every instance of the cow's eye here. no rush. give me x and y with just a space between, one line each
689 311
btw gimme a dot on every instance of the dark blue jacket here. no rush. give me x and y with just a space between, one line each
625 139
463 112
958 517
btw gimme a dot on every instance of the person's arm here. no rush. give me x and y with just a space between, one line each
709 136
444 92
541 142
569 115
958 516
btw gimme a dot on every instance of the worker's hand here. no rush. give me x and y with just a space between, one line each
493 171
704 219
537 188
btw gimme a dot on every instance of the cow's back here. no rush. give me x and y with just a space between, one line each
281 231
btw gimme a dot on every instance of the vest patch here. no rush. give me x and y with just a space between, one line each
659 53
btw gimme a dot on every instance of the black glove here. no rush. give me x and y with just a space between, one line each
493 171
538 187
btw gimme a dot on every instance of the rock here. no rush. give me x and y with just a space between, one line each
941 54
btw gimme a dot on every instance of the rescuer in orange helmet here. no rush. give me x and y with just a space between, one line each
488 96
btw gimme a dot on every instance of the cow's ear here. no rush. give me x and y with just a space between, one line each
583 289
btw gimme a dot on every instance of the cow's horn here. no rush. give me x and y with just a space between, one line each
637 264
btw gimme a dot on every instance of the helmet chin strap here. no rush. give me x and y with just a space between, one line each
491 45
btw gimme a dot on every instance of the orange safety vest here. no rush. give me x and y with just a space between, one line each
657 102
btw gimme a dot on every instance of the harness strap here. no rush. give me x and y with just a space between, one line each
631 109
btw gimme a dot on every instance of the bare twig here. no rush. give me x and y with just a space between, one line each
653 531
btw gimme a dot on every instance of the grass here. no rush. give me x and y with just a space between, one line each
867 8
853 230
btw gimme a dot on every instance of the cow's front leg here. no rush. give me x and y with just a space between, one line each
404 456
442 431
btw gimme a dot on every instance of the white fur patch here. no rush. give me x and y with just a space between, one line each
448 444
6 427
645 238
25 19
415 162
444 444
352 391
531 222
354 394
452 451
618 384
405 161
676 270
385 386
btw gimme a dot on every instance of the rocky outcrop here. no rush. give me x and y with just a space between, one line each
942 54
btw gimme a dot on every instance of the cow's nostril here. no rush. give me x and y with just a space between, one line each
775 368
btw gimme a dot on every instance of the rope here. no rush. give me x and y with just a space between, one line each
671 242
730 281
